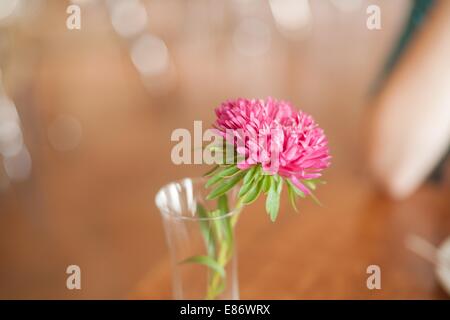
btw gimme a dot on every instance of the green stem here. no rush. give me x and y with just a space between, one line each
223 258
215 282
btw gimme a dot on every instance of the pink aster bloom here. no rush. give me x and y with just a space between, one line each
272 133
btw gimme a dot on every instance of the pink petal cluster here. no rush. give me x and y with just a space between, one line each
277 136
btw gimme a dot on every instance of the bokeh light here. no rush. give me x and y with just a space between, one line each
7 8
18 167
11 139
291 15
252 37
150 55
128 17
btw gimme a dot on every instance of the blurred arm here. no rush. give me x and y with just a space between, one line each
411 124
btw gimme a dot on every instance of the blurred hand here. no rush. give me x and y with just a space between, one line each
411 125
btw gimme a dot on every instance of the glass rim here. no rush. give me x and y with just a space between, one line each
194 180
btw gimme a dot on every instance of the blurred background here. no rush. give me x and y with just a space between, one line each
86 118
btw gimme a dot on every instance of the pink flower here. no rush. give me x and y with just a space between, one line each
272 133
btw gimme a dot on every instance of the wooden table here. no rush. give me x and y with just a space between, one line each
323 253
94 206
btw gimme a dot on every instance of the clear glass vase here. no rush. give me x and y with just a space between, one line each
201 240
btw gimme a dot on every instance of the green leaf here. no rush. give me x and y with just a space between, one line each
244 189
273 199
213 180
295 189
315 199
225 186
228 171
317 181
206 261
311 184
247 182
210 172
250 174
222 204
254 192
279 184
267 182
258 173
206 231
292 196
